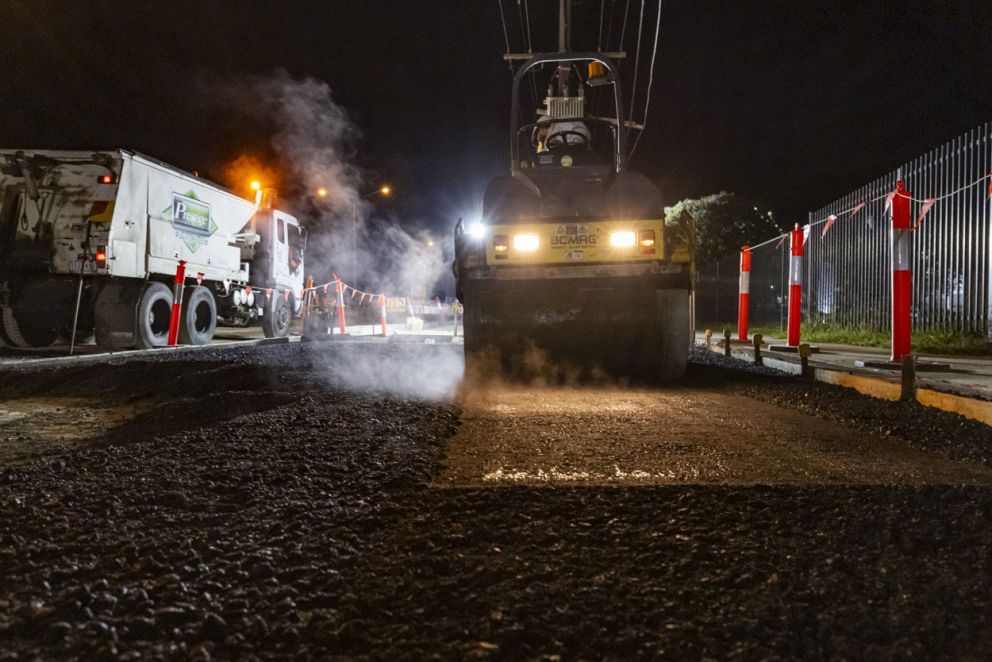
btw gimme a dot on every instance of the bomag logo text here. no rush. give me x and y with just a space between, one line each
573 240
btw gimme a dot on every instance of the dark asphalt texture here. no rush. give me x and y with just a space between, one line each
269 506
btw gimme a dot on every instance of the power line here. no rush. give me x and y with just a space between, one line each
623 31
637 64
599 41
506 34
647 100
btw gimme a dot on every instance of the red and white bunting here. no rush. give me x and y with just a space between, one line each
990 187
199 277
781 240
362 300
927 204
227 286
888 200
806 229
830 221
858 207
353 292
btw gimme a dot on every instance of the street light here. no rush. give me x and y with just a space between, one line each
383 190
322 192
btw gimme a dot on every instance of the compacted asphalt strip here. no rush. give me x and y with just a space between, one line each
361 500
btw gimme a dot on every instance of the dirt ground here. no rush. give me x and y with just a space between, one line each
356 501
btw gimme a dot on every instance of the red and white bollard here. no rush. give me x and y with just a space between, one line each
745 289
177 302
339 288
382 314
795 285
902 285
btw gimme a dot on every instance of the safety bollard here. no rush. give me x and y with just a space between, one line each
757 350
382 314
339 288
177 302
744 289
726 341
795 285
902 286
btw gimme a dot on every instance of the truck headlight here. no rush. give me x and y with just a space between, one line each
623 238
525 242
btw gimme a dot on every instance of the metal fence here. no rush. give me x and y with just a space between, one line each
846 278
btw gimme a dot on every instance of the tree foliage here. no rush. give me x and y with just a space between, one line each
718 225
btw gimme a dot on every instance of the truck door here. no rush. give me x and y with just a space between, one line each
280 253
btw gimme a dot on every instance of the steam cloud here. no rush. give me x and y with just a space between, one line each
314 141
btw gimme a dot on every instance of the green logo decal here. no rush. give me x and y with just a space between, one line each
191 219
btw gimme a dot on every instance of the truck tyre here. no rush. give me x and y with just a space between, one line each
27 333
199 319
277 318
152 317
674 335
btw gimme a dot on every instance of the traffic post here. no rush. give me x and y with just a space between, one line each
177 302
796 238
902 287
382 314
339 288
744 290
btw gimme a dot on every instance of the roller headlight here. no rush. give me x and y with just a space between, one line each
476 230
525 242
623 238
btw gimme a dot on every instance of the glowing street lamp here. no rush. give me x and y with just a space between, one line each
322 192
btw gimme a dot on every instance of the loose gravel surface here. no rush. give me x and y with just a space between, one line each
302 501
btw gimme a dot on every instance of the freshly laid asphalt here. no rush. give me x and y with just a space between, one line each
360 500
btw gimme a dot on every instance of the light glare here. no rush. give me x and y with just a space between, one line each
623 239
525 242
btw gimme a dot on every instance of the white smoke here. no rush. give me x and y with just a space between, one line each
315 142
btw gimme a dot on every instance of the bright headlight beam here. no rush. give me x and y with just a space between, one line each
623 239
476 230
525 242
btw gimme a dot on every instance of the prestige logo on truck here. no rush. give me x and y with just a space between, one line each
191 219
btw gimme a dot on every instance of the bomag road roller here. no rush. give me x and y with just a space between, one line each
570 265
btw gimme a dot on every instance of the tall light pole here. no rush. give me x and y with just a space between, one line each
383 190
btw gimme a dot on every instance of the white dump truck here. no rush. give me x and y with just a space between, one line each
94 239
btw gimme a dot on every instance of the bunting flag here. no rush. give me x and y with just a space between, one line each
227 287
353 292
806 229
927 204
830 221
781 240
287 295
325 288
199 278
888 201
247 289
362 300
268 294
858 207
990 187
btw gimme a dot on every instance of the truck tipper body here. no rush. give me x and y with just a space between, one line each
90 241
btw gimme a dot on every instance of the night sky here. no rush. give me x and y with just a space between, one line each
794 103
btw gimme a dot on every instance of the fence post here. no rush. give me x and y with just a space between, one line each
795 285
902 285
744 289
177 302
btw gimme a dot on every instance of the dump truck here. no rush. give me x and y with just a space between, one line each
90 242
570 264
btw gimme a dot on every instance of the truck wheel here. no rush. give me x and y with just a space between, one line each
675 336
275 324
27 334
199 320
153 314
